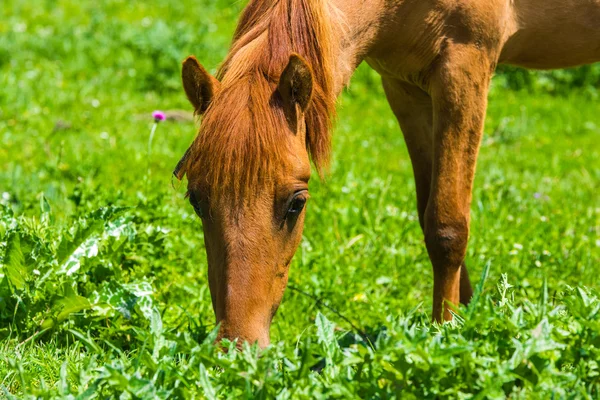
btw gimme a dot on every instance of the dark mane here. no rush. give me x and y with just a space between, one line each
240 142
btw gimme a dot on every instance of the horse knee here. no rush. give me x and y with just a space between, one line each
446 242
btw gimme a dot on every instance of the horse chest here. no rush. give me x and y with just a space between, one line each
406 61
390 68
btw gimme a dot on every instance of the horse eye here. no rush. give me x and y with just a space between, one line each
194 202
198 210
296 205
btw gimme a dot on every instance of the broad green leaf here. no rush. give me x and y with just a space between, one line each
81 243
67 255
325 329
14 262
63 308
326 336
585 299
207 387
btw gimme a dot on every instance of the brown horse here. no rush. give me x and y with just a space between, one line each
270 108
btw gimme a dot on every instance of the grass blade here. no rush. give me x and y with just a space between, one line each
478 290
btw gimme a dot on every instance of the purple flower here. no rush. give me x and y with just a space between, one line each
537 195
159 116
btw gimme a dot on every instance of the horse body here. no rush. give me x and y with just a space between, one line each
406 37
553 34
436 59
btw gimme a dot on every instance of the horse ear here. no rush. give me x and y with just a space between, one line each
296 83
199 85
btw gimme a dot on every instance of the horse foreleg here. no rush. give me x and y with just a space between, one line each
414 111
466 290
458 88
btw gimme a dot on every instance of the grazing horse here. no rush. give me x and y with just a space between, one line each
269 110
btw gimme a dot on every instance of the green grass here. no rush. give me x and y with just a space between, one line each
103 284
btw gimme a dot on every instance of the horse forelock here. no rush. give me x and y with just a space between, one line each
240 146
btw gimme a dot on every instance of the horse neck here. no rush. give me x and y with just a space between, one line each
356 27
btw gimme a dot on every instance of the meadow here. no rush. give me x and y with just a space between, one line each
103 287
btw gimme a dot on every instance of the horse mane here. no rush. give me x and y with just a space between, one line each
240 139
